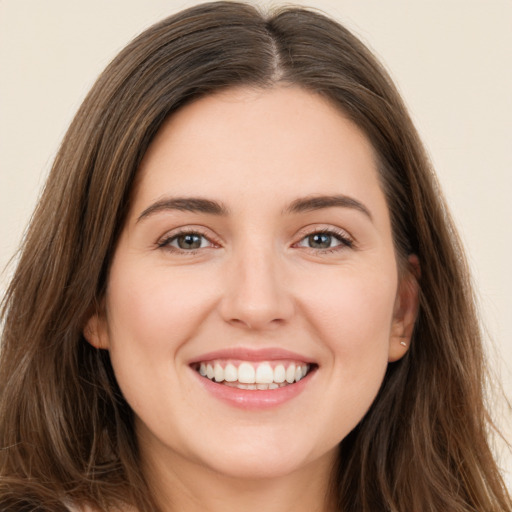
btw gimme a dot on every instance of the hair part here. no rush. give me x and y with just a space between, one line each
66 432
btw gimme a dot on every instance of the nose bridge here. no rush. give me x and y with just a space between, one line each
256 294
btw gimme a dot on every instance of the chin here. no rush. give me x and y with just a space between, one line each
274 455
259 467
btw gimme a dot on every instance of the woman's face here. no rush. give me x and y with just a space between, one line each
257 251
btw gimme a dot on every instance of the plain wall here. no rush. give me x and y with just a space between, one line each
451 59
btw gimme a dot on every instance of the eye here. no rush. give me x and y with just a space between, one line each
186 241
324 240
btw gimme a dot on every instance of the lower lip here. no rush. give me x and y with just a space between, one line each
254 398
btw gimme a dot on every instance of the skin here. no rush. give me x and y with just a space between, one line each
256 282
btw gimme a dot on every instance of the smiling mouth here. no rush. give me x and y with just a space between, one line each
262 375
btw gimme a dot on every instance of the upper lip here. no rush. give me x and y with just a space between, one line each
249 354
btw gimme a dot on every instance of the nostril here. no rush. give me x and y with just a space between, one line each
256 324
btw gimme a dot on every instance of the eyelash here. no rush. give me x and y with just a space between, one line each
339 235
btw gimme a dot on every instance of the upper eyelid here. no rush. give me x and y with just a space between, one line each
214 238
199 230
324 228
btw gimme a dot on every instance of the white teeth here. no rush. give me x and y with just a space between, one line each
230 373
253 375
270 385
279 373
264 374
246 374
218 372
290 374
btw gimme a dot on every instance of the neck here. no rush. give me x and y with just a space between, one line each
179 484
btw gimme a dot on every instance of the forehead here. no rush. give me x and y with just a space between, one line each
244 144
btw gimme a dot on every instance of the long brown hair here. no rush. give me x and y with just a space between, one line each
66 433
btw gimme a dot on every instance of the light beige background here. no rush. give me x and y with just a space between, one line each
452 60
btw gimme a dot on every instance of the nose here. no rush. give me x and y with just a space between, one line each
257 295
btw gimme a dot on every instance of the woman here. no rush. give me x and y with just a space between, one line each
241 289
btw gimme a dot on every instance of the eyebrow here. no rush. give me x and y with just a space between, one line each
188 204
320 202
201 205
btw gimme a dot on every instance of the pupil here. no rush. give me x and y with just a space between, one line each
189 241
320 241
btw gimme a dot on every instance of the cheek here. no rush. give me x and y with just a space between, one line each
352 316
153 311
156 307
352 308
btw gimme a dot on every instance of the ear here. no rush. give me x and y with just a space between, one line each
405 311
96 331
